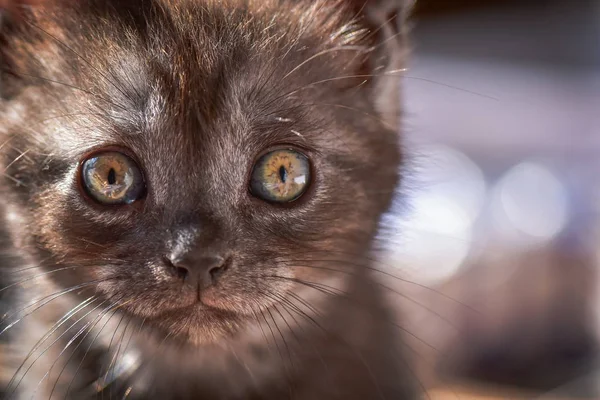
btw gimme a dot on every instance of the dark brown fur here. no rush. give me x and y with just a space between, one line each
196 91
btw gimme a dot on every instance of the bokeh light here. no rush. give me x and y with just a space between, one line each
433 237
530 204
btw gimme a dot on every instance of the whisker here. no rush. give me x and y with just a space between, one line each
368 368
273 335
289 354
486 96
283 304
286 323
46 336
92 261
365 113
91 324
411 370
340 78
53 297
282 338
360 358
259 323
36 276
404 296
10 164
114 311
102 385
281 60
245 366
114 376
37 266
369 267
124 353
321 53
380 27
403 329
305 304
105 380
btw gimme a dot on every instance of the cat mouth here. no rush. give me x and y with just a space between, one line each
206 297
199 300
199 297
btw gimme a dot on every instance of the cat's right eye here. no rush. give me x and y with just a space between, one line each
112 178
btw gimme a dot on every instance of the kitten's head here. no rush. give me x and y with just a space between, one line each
195 161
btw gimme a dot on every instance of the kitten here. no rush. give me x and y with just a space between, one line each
192 189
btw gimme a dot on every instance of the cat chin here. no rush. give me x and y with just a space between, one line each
198 325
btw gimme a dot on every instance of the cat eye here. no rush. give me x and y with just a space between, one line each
280 176
112 178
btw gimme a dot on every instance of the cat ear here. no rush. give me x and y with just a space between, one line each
386 17
387 23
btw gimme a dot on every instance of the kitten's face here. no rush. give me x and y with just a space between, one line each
185 99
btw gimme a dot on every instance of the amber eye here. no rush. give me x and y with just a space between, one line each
280 176
112 178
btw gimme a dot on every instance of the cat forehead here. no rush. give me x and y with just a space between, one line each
194 69
147 102
225 75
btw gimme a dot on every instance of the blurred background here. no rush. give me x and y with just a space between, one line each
502 125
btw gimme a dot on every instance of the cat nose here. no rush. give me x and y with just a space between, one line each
201 272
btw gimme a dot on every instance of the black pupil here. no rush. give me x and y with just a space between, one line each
283 174
112 177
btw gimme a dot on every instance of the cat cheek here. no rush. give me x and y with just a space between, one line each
63 224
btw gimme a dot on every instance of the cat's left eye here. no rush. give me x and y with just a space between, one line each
112 178
280 176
